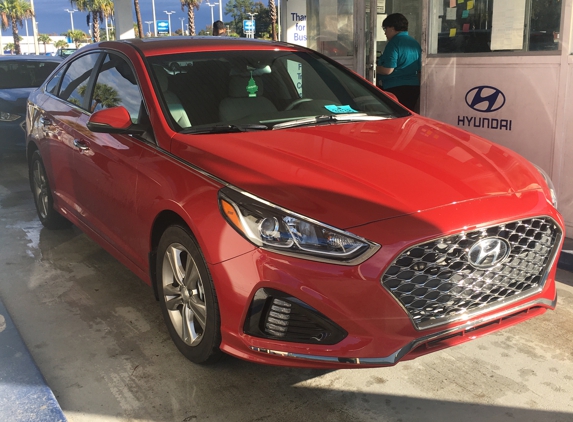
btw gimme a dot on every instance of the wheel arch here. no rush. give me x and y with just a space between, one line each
163 220
30 149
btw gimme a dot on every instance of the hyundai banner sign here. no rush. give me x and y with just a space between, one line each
163 27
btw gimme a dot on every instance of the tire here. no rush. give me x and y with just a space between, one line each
42 192
187 296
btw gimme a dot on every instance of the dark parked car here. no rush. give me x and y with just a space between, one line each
65 52
285 210
19 76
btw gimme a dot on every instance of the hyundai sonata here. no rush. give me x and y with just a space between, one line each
284 210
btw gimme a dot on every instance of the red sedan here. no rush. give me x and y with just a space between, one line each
283 209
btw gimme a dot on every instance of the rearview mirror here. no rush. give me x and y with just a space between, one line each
112 120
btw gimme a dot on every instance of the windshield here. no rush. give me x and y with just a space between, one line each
233 91
24 74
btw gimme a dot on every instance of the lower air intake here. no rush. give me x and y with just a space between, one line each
278 316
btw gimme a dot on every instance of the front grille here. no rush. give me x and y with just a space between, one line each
436 283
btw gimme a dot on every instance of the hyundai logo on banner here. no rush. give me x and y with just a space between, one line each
485 99
163 27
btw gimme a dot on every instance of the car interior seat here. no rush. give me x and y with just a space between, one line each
173 103
242 101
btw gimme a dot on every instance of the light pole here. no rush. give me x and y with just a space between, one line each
154 18
169 19
34 28
220 10
27 38
71 12
211 6
149 27
182 27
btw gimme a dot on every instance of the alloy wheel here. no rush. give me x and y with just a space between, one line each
184 294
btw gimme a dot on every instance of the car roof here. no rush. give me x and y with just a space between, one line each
180 44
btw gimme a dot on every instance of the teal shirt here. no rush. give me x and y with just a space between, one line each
403 54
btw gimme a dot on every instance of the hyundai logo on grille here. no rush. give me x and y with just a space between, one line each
488 252
485 99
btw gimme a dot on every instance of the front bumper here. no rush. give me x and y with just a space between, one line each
379 329
435 341
13 136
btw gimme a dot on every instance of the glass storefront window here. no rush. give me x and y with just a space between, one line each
412 9
498 26
331 27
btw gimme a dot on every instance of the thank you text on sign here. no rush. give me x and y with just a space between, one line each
296 22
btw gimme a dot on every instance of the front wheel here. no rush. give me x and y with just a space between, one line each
43 200
187 296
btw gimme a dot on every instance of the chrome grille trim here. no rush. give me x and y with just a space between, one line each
403 351
435 283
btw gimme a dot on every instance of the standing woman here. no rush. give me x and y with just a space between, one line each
398 68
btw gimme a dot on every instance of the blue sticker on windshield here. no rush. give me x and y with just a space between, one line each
340 109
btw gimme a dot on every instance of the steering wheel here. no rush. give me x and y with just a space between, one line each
175 67
297 102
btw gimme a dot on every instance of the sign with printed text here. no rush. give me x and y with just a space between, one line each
163 27
296 22
248 25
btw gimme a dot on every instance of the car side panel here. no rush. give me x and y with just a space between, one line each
106 176
168 184
57 125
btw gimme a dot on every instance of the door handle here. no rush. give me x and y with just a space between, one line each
45 122
82 145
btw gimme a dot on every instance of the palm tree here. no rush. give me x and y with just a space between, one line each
191 4
104 95
273 13
98 9
14 12
77 36
10 47
105 9
61 44
44 39
138 18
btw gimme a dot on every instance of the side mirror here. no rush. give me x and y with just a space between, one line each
112 120
392 96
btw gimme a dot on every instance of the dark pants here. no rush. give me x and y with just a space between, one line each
407 95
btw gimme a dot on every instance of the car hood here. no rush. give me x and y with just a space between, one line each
14 100
355 173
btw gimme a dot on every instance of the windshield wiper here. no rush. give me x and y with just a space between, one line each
328 118
225 128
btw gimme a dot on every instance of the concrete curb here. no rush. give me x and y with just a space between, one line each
24 394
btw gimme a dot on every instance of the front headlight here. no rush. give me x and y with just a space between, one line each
271 227
549 185
8 117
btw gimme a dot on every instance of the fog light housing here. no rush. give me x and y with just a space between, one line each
277 316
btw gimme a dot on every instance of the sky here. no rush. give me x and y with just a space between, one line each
53 19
